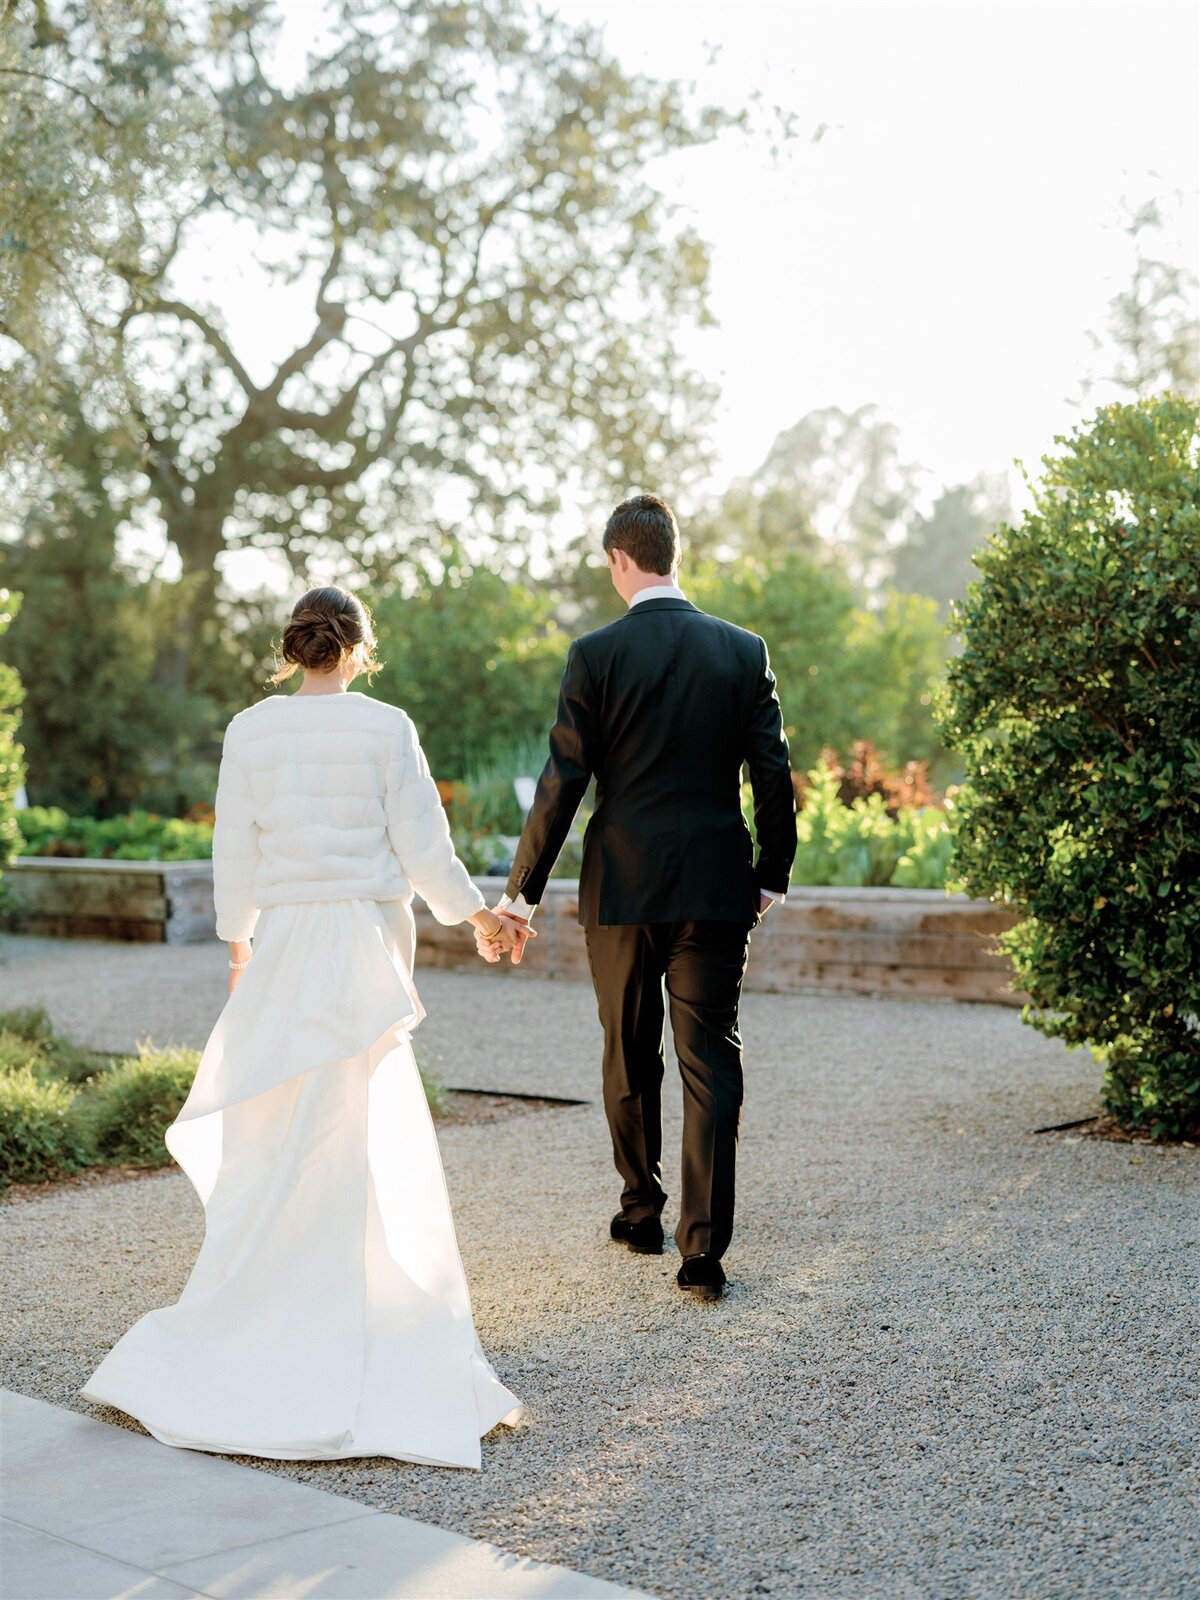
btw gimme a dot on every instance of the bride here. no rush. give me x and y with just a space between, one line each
327 1314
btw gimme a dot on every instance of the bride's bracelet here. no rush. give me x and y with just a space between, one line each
238 966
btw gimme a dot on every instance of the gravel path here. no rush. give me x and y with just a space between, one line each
958 1358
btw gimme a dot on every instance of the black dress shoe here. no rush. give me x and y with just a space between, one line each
703 1275
645 1238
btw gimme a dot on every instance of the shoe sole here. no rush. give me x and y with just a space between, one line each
704 1291
640 1249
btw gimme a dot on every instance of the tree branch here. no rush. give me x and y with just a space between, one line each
61 83
152 305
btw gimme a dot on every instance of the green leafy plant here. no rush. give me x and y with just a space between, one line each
127 1109
136 836
841 670
1075 705
40 1136
26 1034
863 844
927 862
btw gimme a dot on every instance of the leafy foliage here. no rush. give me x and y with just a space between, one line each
493 288
475 662
135 836
867 774
28 1035
39 1135
103 732
127 1109
863 845
842 671
96 131
1076 707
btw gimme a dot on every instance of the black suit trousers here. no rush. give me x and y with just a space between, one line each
695 969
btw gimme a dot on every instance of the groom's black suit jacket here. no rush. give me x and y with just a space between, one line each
664 706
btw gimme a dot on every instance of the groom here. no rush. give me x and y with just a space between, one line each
664 707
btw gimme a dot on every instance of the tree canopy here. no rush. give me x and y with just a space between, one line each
493 289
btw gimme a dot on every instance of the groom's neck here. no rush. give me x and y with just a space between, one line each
651 580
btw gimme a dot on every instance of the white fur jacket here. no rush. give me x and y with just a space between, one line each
329 797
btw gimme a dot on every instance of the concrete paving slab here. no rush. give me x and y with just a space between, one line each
36 1566
140 1501
95 1512
384 1558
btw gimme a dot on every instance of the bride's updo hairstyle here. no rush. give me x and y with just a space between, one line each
326 626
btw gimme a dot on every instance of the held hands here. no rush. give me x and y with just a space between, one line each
499 931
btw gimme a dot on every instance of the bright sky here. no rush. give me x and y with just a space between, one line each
942 247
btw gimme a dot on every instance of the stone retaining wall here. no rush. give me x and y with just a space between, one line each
153 902
915 942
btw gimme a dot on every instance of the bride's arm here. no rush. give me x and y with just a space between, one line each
234 849
420 836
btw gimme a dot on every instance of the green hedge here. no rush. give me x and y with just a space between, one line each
1075 705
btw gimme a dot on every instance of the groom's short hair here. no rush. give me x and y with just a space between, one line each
645 528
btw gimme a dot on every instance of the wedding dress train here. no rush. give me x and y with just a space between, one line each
327 1314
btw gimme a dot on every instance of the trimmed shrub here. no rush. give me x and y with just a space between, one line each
54 1056
1075 706
39 1133
129 1107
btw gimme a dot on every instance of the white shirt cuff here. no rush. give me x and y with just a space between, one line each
771 894
518 907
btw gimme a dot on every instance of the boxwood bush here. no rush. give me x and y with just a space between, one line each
1075 706
127 1110
40 1136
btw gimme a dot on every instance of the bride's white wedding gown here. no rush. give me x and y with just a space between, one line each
327 1314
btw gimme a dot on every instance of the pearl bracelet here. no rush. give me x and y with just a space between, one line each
237 966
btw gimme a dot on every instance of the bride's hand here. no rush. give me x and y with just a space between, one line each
496 933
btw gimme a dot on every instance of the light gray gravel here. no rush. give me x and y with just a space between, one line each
958 1359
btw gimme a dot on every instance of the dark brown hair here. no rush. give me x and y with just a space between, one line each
645 528
326 625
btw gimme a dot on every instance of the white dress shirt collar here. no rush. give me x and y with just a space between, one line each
658 591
